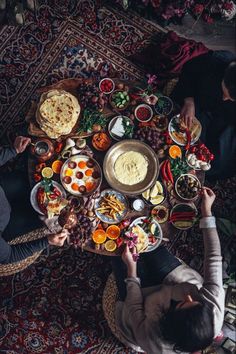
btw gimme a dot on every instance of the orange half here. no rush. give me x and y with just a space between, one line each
113 232
175 151
99 236
56 166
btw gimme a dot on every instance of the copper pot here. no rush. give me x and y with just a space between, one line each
43 149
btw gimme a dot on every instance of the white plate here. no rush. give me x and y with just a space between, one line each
171 130
151 247
33 194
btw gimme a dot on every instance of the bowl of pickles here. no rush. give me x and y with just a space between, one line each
119 100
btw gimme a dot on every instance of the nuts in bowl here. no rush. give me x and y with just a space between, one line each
187 186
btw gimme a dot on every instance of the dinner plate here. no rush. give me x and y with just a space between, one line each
151 246
180 138
126 146
105 218
33 194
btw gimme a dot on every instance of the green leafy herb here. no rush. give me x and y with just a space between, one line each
47 185
179 166
128 128
89 119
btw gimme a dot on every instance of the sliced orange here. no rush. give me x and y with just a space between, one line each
175 151
47 172
56 166
99 236
113 232
110 246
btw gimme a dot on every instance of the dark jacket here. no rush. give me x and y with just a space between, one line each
8 253
201 78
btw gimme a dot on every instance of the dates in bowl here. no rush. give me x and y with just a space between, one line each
187 186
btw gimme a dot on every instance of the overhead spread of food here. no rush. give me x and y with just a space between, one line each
57 113
131 168
130 149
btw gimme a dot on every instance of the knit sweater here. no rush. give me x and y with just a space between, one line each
138 316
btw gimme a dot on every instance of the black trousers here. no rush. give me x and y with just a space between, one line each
152 268
23 217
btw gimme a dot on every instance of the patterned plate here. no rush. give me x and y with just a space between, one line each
117 216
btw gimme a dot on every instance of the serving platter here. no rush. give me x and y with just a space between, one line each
126 146
151 246
180 137
81 175
33 195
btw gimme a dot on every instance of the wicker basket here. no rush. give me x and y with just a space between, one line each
110 296
12 268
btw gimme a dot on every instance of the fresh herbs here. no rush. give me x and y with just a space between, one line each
91 119
47 185
179 167
128 128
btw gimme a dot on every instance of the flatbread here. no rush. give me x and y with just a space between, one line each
57 113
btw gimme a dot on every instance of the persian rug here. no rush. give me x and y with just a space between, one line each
54 306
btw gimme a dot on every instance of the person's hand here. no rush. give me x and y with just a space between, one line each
127 258
208 197
58 239
20 143
188 111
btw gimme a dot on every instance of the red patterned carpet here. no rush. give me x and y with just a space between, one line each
54 306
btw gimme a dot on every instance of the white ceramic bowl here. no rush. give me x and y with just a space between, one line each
107 79
143 105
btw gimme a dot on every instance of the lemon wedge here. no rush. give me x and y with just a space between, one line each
159 187
154 191
146 194
153 228
157 199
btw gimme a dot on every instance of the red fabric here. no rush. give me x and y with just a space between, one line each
167 57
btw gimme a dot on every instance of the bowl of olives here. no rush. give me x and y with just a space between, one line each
187 187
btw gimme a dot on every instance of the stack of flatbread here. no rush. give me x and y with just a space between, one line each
143 241
57 113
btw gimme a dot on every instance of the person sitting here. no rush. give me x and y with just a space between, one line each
171 307
23 218
207 89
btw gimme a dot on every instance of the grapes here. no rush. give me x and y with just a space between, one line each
82 232
151 137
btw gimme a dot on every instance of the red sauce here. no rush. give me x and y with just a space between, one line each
143 113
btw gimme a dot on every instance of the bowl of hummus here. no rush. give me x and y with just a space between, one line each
130 167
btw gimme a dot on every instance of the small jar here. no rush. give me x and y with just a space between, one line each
138 204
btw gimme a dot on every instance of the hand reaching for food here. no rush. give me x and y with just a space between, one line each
58 239
188 111
20 143
128 259
208 198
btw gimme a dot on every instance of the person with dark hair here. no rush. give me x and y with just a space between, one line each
19 218
207 89
170 306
